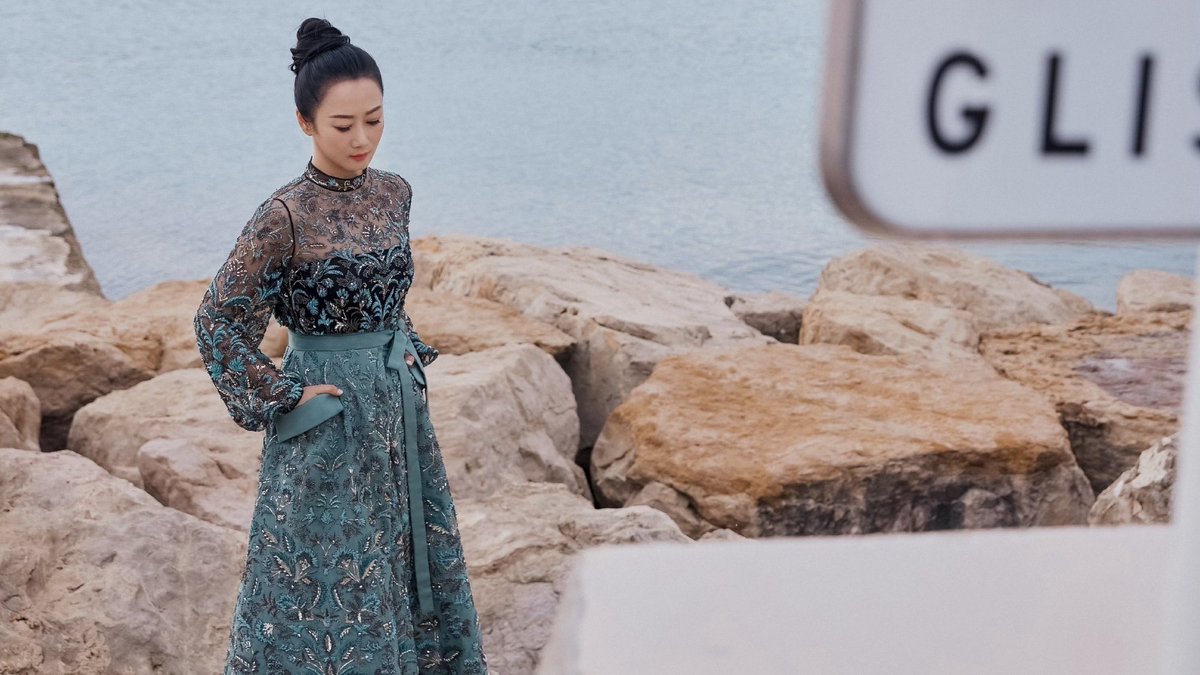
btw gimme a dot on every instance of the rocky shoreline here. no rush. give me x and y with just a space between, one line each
582 398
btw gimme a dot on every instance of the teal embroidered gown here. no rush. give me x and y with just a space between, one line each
330 584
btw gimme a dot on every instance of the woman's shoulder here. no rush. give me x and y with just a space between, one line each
288 189
394 179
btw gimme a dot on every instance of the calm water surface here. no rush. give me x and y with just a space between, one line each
679 132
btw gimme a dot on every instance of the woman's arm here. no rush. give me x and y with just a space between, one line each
426 353
233 316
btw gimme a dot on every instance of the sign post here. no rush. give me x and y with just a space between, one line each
1030 119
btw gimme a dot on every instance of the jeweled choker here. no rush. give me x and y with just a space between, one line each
333 182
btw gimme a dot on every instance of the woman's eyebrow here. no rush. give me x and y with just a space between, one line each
367 113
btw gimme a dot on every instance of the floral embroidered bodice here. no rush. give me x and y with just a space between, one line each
322 255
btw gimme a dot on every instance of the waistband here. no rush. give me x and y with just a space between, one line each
338 341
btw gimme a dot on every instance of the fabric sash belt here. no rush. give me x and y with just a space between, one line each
399 342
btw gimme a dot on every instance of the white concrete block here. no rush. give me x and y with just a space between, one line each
1045 600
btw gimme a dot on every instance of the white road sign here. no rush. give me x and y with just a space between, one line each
964 118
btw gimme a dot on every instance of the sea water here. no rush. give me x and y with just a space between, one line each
682 133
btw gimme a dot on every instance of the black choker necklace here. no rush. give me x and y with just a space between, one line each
333 182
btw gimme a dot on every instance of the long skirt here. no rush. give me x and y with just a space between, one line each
355 564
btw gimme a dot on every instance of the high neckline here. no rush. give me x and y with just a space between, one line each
334 183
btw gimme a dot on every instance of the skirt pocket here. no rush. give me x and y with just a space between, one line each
307 415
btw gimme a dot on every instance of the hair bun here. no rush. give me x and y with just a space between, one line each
314 37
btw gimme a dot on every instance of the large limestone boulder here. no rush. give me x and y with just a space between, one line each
37 242
505 415
457 324
775 314
1154 291
74 347
1143 493
819 439
519 544
624 315
875 324
164 313
995 296
181 405
20 415
98 577
1116 381
68 369
188 476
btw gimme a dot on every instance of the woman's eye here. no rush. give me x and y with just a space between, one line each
374 122
342 128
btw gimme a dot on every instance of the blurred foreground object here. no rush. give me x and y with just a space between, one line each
976 119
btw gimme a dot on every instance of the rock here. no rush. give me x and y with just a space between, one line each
1154 291
721 535
274 343
163 314
186 476
74 347
182 405
42 303
873 324
519 544
1116 381
505 415
67 370
995 296
675 504
819 439
456 324
624 315
97 577
20 415
37 242
1143 493
774 314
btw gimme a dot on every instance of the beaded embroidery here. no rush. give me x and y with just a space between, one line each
333 182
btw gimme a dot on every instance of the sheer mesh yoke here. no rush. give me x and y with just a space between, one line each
322 255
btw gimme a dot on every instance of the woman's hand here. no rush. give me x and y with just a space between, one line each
314 389
409 358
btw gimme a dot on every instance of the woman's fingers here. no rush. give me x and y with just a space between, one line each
314 389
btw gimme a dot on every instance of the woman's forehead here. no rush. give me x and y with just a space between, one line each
351 98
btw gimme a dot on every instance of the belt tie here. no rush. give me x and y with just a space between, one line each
399 343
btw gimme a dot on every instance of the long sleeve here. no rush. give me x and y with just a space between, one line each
424 352
233 317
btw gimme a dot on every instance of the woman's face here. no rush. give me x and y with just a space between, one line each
346 127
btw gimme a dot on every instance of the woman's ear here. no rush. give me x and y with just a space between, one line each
304 125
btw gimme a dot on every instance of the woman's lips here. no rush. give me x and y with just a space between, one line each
358 158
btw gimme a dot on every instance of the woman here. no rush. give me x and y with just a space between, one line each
354 563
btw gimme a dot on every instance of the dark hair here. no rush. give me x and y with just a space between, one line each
324 56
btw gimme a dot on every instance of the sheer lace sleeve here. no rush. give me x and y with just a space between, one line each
233 316
426 353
